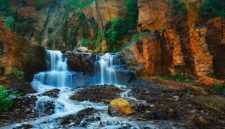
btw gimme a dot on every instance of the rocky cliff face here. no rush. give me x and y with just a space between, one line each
105 10
172 36
59 25
181 42
16 53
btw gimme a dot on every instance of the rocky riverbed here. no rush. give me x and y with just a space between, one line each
151 103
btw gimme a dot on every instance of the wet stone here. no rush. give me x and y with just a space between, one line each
74 120
52 93
46 108
99 93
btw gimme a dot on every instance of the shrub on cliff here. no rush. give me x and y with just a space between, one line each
212 8
136 37
219 88
114 31
86 42
6 97
131 6
16 73
9 22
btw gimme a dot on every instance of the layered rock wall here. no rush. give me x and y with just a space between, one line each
184 43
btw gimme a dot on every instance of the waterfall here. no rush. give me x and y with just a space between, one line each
108 69
57 61
58 74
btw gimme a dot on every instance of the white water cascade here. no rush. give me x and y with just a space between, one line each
107 71
58 74
110 69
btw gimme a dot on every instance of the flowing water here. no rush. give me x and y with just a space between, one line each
61 78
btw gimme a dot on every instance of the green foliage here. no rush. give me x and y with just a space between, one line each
84 4
212 8
16 73
98 39
136 37
4 5
80 4
131 6
114 31
9 22
180 6
86 42
211 75
179 77
39 4
6 101
219 88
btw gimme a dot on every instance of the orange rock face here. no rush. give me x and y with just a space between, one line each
202 58
147 54
153 14
174 40
216 45
18 53
183 44
104 11
203 61
209 82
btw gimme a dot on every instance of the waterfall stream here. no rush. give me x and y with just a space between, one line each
58 76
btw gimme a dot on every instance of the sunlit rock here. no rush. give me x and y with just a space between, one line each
82 49
120 107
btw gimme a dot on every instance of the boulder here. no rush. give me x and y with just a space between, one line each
99 93
81 62
82 49
120 107
52 93
45 108
76 119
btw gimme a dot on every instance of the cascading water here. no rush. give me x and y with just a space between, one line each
58 76
110 69
107 72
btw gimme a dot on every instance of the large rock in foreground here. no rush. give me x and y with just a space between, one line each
104 93
120 107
